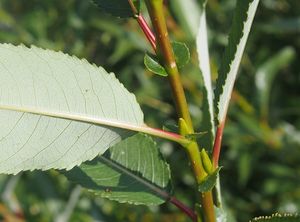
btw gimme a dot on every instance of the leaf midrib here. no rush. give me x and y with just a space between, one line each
72 116
96 121
152 187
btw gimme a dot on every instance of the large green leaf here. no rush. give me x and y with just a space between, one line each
132 171
119 8
277 218
242 21
57 111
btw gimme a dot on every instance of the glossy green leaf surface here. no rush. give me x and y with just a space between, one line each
57 111
133 171
182 57
153 65
182 53
118 8
242 22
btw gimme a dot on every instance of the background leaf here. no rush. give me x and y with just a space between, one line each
49 103
266 74
188 13
119 8
133 171
242 21
277 218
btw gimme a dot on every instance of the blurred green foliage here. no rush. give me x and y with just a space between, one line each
261 147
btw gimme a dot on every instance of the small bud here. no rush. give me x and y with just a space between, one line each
206 162
183 128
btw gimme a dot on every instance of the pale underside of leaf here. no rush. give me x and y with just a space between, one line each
238 36
53 107
204 64
132 171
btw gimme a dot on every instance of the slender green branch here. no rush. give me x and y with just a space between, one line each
208 207
133 8
166 55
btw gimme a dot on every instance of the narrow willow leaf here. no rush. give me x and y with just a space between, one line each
204 64
57 111
277 218
133 171
209 182
182 53
242 21
153 65
118 8
266 73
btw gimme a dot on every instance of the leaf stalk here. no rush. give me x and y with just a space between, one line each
217 145
143 25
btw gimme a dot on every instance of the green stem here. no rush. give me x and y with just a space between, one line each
166 55
208 207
